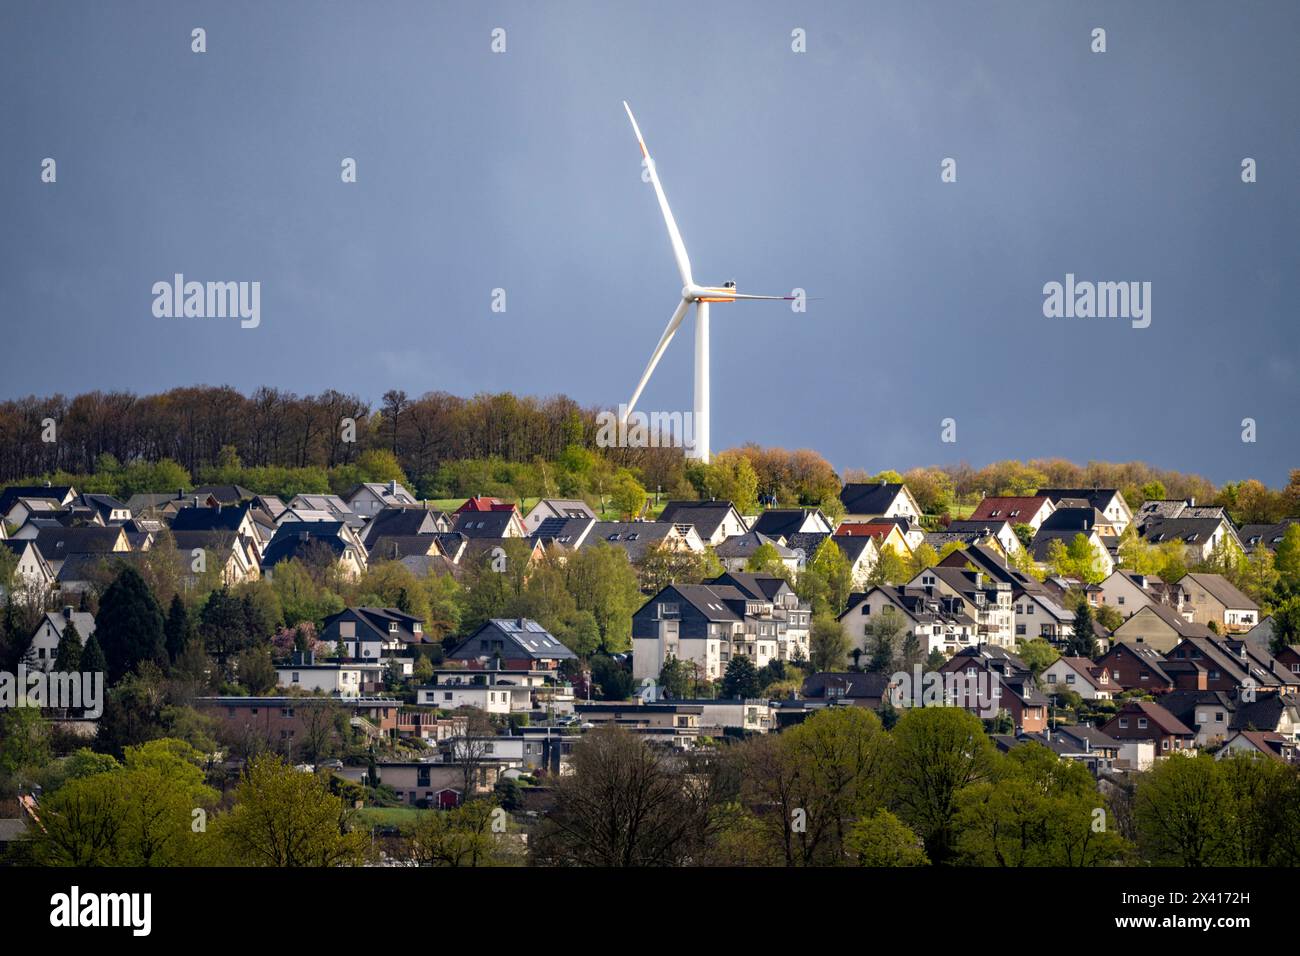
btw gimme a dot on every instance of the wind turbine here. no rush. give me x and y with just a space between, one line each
702 296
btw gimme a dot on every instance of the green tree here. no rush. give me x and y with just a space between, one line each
92 657
603 581
178 630
283 817
828 645
741 678
1182 805
129 627
937 752
884 840
68 657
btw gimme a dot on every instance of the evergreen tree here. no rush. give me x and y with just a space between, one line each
68 657
741 678
92 657
179 630
130 625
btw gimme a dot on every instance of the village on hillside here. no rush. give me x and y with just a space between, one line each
460 678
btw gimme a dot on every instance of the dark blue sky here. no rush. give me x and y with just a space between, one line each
818 170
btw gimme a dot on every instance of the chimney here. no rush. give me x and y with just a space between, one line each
979 579
67 612
392 487
180 494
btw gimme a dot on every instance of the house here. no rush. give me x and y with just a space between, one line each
551 508
714 520
939 622
483 503
395 547
850 688
1040 614
1128 592
1159 627
423 783
1032 510
736 551
492 690
758 616
977 532
106 508
517 643
375 633
1233 666
237 559
288 721
1144 720
1200 536
1079 674
1258 743
223 494
311 507
1040 549
1260 637
566 534
336 680
1108 501
878 499
1157 508
1079 517
986 600
780 523
495 523
1268 536
371 497
1209 712
56 544
1014 689
404 522
44 649
771 603
1137 667
638 537
672 723
1212 597
887 534
32 573
316 541
16 513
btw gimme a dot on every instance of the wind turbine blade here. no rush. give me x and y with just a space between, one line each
674 236
664 339
775 298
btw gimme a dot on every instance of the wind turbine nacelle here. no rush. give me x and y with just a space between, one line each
710 293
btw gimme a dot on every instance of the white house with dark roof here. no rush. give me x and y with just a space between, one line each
45 643
1108 501
371 497
517 643
552 508
714 520
878 499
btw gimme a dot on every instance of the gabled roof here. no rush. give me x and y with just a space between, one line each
1156 714
394 547
707 516
1188 530
568 533
781 522
526 635
634 537
759 587
57 543
744 545
294 538
403 521
484 524
1097 497
14 492
197 518
847 685
1223 590
1268 535
869 497
377 620
224 494
85 622
1017 510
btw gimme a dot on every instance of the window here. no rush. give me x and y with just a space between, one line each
1120 600
1142 723
1123 723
